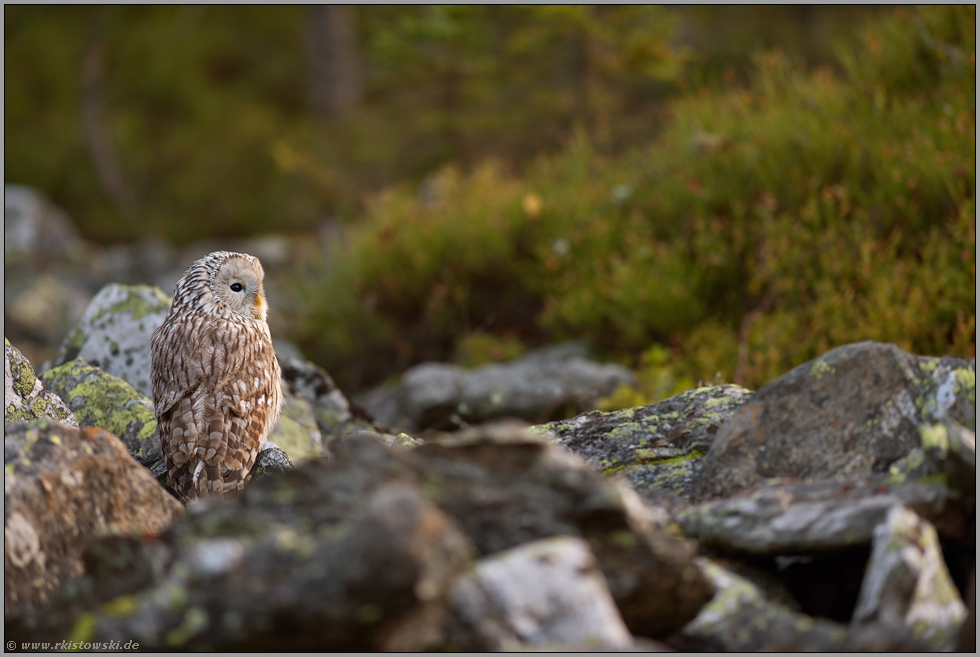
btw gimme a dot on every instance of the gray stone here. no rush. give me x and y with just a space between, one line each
535 387
543 593
907 581
24 396
858 409
115 331
35 230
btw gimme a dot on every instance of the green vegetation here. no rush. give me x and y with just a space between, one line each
197 121
767 224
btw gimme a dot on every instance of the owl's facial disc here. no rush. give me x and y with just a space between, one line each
238 284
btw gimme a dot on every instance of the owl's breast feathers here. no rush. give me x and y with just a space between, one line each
216 390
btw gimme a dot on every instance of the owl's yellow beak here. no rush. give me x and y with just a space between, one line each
258 300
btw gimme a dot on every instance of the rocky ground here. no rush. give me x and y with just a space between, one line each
833 509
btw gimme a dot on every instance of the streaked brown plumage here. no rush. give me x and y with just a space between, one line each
215 378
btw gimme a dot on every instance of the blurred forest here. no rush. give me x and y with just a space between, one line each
705 193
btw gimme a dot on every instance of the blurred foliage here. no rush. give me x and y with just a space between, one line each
769 222
207 109
657 379
481 348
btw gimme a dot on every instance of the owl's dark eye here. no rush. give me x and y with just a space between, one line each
237 287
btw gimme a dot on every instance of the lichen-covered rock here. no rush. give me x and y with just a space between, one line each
858 409
294 567
657 447
115 331
101 400
24 396
545 593
536 387
64 488
907 581
828 514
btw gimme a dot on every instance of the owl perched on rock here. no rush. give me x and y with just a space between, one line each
215 376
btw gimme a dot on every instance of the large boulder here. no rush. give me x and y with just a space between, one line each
658 448
24 396
35 230
537 387
114 333
283 571
858 409
64 488
364 552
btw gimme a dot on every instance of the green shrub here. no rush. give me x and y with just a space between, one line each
765 226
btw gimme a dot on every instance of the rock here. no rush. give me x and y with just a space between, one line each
114 334
800 517
102 400
507 487
64 488
43 308
858 409
743 618
283 570
35 230
331 413
657 447
535 387
907 582
740 618
543 593
24 396
362 552
967 641
270 462
296 432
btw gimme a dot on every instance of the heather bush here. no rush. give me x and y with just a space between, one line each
768 223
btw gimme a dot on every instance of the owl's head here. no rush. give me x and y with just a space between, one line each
224 282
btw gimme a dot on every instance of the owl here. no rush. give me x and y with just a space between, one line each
215 378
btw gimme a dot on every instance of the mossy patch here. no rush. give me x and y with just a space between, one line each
101 400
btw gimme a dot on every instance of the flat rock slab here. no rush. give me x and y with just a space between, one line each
657 447
802 517
63 489
857 409
543 593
